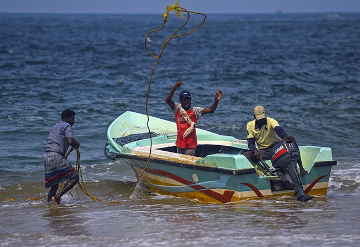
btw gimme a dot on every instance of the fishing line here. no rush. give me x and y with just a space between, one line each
178 11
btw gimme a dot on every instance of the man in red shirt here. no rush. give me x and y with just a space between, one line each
186 117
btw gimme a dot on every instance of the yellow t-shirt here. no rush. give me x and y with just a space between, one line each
266 136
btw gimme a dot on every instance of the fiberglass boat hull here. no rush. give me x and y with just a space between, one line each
219 177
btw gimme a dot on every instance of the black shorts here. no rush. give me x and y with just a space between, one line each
266 153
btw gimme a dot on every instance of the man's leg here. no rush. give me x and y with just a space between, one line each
186 151
299 161
52 192
302 170
190 151
68 186
180 150
265 155
251 157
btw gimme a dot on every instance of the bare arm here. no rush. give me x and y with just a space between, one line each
168 99
72 142
212 108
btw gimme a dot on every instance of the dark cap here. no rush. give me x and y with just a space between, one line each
184 94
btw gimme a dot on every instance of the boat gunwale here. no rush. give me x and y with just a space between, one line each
207 168
325 163
190 166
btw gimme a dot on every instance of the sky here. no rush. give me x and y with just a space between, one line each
159 6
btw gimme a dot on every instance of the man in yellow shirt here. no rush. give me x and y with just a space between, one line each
265 132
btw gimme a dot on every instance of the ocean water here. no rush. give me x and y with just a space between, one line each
304 68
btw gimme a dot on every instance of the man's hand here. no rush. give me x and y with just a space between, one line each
168 99
289 138
212 108
218 95
178 84
72 142
257 153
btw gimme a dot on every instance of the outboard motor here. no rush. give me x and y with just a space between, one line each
284 159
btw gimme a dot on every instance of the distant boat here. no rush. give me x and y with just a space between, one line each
219 173
332 15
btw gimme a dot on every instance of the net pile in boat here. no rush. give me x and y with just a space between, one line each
134 137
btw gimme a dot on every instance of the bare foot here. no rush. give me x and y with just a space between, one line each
56 200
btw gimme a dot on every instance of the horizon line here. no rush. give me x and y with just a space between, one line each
156 13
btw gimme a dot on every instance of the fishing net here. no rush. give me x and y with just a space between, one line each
134 137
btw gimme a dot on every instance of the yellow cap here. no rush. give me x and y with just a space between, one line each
259 112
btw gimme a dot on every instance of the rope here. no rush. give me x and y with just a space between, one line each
80 182
169 8
189 121
177 10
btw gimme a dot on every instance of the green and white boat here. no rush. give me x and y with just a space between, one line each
218 173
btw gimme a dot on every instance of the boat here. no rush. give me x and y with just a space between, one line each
218 173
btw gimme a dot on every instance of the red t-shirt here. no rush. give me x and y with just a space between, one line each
194 113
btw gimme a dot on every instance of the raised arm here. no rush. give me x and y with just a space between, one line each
218 96
168 99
